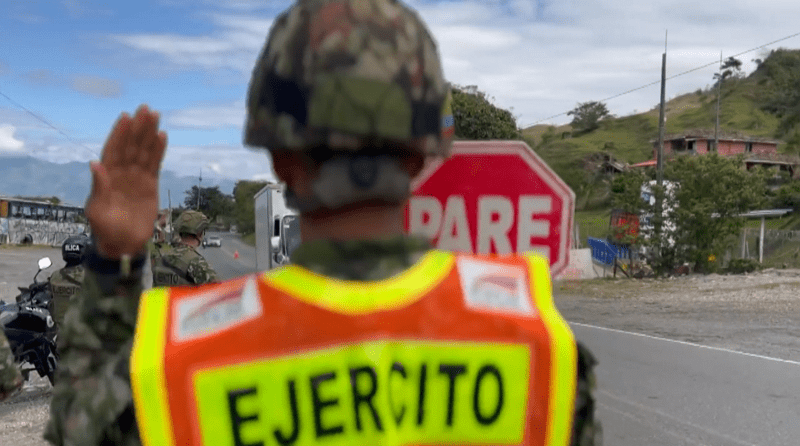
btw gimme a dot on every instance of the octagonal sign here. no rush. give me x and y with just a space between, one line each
493 197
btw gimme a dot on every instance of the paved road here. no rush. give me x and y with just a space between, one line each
655 391
222 258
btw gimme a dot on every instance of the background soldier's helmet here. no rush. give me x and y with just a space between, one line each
347 75
339 77
74 249
191 222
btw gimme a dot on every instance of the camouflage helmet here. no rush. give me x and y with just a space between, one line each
191 222
347 75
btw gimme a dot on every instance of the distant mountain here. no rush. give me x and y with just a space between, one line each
32 177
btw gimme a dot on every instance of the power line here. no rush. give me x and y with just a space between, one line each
671 77
44 121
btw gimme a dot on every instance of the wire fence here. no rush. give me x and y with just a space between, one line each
781 247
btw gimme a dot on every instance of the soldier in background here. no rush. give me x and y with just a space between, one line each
157 246
65 284
181 264
10 376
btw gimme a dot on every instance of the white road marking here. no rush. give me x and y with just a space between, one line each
786 361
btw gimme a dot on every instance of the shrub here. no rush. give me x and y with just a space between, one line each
741 266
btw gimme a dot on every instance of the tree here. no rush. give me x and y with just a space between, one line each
780 76
213 203
731 68
587 116
711 192
244 208
475 117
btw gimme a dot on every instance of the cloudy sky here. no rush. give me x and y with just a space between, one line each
78 63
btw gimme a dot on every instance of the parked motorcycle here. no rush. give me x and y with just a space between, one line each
30 328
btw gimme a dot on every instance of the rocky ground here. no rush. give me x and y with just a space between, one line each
756 313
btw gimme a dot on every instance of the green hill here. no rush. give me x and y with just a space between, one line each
755 105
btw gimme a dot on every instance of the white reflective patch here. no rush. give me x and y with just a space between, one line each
215 311
495 287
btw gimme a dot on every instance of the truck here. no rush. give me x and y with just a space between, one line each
277 227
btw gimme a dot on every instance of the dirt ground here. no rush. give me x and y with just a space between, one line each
756 313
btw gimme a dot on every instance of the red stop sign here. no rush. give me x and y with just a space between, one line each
493 197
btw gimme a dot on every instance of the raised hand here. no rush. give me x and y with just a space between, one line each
123 203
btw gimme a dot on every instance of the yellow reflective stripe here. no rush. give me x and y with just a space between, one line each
148 380
369 393
564 354
355 297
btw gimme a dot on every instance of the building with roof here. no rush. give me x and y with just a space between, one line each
761 152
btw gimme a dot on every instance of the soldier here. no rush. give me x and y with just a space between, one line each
65 284
181 264
157 246
350 100
10 376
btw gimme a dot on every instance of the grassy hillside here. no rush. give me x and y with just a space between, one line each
630 138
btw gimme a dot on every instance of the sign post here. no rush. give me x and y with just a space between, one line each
493 197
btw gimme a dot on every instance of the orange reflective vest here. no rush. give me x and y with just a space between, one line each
455 350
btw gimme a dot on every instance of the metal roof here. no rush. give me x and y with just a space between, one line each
767 213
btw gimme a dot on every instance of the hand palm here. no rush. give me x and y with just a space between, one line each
124 199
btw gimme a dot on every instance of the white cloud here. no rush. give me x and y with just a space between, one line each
235 44
8 143
540 57
228 161
208 117
96 86
215 167
266 176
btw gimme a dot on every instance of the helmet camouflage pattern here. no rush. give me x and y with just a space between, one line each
191 222
348 75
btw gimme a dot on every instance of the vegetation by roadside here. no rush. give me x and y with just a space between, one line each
249 239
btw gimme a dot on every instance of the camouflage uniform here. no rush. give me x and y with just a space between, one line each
10 377
182 265
65 284
92 401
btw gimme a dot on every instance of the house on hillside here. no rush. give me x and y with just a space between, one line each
757 151
700 142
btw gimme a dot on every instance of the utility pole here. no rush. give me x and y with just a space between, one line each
168 234
660 156
199 188
719 84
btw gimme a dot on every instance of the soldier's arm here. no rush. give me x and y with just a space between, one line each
10 377
92 402
201 272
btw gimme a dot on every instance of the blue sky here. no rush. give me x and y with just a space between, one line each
79 63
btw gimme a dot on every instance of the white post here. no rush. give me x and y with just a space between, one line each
761 243
744 242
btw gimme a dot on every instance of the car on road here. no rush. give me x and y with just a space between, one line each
212 240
